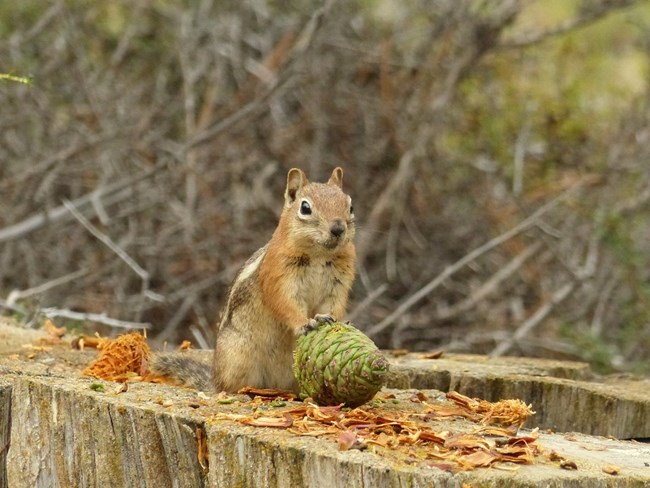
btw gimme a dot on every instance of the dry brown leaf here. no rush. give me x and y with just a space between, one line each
202 448
34 348
277 422
53 330
267 393
82 342
324 414
431 355
398 352
479 459
526 438
567 464
593 448
516 454
418 396
446 411
510 431
611 469
468 442
383 440
435 437
405 431
346 440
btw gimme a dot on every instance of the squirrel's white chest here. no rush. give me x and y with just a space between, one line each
316 286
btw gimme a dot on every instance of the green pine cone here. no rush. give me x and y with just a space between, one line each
336 363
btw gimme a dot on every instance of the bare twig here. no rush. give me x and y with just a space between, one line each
468 258
41 167
130 262
38 27
534 320
100 318
16 295
13 307
491 285
519 157
588 16
142 273
176 319
384 202
558 297
371 297
303 42
37 221
604 296
199 337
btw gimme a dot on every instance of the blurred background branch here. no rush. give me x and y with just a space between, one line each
169 127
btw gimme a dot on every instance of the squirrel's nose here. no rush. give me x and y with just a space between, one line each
337 229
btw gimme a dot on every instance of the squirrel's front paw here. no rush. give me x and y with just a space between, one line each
313 324
323 318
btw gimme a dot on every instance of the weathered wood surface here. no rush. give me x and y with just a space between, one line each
566 395
63 434
5 424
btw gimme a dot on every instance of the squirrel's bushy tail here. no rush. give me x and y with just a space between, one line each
190 371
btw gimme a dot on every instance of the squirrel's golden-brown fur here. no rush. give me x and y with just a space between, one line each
305 271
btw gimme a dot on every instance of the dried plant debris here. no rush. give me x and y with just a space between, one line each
125 358
406 432
503 412
273 393
54 331
611 469
121 359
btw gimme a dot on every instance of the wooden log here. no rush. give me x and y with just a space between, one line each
566 395
64 434
5 424
61 433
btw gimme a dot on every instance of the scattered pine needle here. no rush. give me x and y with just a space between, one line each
123 358
403 434
503 412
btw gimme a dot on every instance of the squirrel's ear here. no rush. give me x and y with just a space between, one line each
296 179
337 177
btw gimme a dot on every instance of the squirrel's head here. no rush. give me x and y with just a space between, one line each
318 214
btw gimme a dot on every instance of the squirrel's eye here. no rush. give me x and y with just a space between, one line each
305 208
351 209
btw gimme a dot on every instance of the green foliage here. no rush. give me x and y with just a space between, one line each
572 90
25 80
100 387
591 347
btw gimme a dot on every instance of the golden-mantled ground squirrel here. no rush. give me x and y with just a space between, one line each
301 277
